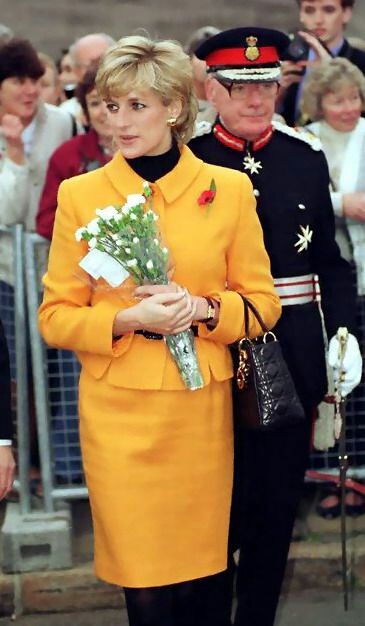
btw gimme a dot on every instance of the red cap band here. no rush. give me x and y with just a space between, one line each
236 56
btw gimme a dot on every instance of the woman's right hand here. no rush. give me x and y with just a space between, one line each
164 313
354 205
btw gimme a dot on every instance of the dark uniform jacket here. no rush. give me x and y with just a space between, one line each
288 105
6 430
292 191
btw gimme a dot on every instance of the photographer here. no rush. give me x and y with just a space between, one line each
324 22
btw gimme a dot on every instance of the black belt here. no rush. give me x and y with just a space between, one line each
157 336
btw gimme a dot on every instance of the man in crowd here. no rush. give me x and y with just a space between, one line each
290 179
85 52
206 111
326 20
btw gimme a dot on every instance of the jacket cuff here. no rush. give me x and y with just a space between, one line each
230 324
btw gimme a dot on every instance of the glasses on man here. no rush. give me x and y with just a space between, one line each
242 91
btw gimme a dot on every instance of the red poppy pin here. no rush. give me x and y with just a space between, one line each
207 196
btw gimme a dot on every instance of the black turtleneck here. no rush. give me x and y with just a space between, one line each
151 168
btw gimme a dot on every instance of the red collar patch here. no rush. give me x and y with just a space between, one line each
236 143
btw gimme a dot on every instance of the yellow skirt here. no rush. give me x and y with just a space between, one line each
159 468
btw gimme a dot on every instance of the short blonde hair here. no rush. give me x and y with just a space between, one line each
327 78
137 62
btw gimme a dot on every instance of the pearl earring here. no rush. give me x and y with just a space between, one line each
171 121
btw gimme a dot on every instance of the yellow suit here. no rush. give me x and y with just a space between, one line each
158 458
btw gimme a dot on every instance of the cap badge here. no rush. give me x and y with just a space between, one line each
252 52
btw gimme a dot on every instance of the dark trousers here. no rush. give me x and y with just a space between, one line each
269 474
201 602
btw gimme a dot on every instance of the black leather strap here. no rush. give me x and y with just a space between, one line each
249 306
157 336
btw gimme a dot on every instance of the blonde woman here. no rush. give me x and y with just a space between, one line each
334 97
157 457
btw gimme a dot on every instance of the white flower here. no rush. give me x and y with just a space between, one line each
149 265
165 250
126 209
132 263
79 233
134 199
150 212
127 250
135 240
156 242
132 216
92 243
108 213
93 227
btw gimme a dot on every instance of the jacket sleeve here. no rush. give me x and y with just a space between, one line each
338 297
66 318
48 202
248 273
14 186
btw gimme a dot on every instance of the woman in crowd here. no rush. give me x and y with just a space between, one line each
334 97
51 90
80 154
158 457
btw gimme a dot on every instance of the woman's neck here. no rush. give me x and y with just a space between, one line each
151 168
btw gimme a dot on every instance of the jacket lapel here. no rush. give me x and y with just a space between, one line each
126 181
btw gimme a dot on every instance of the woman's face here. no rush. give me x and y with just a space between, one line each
139 123
19 96
98 116
342 107
50 89
67 75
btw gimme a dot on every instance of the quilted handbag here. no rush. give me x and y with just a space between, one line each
264 396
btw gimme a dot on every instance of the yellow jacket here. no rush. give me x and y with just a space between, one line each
217 250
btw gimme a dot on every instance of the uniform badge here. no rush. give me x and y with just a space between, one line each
304 239
252 52
251 165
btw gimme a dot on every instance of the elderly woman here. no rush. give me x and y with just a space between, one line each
80 154
334 97
157 456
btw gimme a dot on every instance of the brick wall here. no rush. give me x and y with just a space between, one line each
53 24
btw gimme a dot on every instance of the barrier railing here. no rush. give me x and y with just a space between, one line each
56 380
13 313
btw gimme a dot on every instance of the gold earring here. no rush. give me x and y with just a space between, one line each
171 121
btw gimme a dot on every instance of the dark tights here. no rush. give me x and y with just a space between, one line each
201 602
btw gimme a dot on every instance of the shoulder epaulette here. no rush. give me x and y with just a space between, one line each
299 133
202 128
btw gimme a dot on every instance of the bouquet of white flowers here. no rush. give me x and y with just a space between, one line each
125 240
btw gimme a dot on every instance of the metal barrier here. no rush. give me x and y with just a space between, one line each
56 375
14 318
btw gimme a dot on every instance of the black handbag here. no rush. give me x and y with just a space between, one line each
264 395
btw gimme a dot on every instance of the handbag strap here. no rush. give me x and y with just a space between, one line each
248 306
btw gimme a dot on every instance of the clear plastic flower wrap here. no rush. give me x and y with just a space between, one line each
125 241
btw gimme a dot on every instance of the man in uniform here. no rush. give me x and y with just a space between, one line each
291 183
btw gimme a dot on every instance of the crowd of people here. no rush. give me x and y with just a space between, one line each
269 130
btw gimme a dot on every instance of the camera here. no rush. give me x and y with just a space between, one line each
297 50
